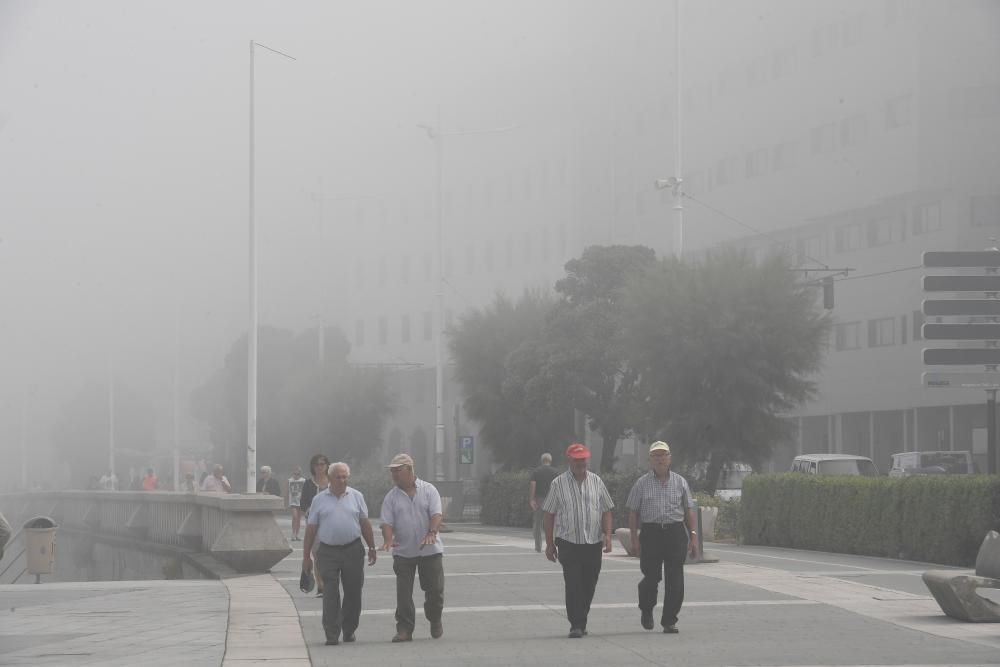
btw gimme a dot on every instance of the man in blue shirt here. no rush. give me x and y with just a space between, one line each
338 517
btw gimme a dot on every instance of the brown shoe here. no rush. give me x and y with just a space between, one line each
437 629
402 637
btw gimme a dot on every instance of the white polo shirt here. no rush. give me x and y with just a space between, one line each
339 518
410 519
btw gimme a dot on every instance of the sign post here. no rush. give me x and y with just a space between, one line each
466 449
979 315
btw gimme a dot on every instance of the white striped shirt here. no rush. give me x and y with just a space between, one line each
660 502
578 507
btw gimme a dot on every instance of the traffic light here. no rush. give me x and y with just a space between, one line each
828 292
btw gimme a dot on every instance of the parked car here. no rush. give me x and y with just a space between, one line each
834 464
905 464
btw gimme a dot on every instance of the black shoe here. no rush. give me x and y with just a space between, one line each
647 619
349 638
670 630
584 631
575 633
332 642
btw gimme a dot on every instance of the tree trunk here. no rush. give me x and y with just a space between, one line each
715 462
609 453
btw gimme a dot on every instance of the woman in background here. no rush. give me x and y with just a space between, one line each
318 466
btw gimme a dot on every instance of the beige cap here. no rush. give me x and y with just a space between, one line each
659 446
401 460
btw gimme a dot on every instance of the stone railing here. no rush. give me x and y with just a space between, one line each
239 531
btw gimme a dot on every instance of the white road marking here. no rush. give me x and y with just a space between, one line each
449 575
561 607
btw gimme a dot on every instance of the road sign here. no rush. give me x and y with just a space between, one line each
951 307
984 380
960 331
962 259
466 448
962 283
962 356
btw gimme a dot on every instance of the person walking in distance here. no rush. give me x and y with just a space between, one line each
338 520
411 516
538 489
266 483
578 523
295 484
660 501
317 481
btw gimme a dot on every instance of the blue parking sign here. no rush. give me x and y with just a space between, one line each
466 447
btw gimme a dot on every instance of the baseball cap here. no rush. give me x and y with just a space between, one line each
577 451
659 446
306 582
401 460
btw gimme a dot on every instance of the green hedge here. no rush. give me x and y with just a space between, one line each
932 518
504 497
728 520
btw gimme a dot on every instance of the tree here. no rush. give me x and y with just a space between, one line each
583 340
724 348
304 408
497 351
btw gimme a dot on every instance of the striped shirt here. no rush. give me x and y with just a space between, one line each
660 502
578 507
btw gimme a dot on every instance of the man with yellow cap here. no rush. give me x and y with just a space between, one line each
661 501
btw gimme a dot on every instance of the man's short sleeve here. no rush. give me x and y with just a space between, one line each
433 500
606 504
634 501
362 505
552 499
686 496
387 513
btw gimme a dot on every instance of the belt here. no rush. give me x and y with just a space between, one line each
662 525
341 546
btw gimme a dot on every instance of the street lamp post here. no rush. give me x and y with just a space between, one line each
252 332
436 135
676 181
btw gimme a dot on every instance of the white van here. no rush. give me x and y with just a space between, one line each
905 464
834 464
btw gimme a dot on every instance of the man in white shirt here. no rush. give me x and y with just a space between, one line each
216 482
411 516
578 523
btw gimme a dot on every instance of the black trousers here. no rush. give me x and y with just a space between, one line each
341 565
663 552
581 565
430 570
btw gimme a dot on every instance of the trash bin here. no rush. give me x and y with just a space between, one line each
40 534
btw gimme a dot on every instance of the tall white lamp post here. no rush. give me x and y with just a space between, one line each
252 332
676 181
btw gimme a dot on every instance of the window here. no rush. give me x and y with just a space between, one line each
783 156
428 325
918 323
898 112
882 332
853 131
404 329
985 211
383 330
848 238
881 232
847 336
824 138
927 218
359 332
811 249
757 163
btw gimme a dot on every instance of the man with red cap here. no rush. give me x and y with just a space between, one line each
578 524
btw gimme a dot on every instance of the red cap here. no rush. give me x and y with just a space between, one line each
577 451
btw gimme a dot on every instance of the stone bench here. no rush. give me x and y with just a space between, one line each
957 593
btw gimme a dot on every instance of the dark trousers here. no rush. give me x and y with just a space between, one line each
341 565
430 569
663 552
581 565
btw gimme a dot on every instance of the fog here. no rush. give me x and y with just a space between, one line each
124 166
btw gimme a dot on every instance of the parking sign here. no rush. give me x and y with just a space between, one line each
466 446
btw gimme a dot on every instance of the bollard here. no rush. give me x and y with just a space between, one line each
40 537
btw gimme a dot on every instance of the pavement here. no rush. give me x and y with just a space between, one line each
504 606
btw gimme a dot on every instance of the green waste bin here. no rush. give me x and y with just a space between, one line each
40 534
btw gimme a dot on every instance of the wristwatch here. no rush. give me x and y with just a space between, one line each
694 532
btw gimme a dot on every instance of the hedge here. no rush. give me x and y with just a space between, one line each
931 518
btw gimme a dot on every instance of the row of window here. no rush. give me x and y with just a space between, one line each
405 333
878 332
487 258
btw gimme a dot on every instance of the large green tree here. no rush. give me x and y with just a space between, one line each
498 350
303 407
583 340
724 346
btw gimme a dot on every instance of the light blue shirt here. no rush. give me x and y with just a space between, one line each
339 519
410 519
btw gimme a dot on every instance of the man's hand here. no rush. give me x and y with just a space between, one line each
307 563
429 539
533 503
636 546
607 543
693 545
372 555
550 552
